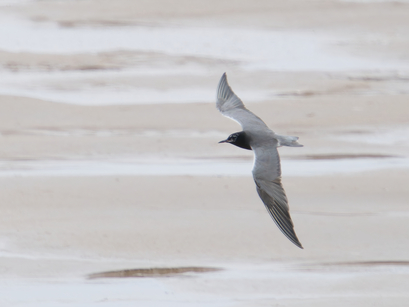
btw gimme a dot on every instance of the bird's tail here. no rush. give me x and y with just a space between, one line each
286 140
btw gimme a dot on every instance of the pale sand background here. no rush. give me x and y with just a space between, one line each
109 157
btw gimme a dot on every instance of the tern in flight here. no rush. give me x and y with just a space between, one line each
263 141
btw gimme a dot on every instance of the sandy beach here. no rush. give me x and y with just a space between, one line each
114 190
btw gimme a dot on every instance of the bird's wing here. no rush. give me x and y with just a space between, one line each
231 106
267 176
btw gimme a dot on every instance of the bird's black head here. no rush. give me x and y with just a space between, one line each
239 139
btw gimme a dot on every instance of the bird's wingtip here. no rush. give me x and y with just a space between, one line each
296 242
223 78
223 90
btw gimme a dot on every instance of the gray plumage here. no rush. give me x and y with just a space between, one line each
264 142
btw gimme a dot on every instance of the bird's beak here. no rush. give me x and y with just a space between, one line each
224 141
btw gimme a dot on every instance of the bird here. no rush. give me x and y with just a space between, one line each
256 136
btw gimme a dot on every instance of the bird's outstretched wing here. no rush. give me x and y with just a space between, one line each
267 176
231 106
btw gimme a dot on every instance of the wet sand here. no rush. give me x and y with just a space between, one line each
110 167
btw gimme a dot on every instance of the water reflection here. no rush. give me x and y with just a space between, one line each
303 167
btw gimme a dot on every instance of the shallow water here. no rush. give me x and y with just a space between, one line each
381 136
192 167
256 48
236 285
79 88
251 49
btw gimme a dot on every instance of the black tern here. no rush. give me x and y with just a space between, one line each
258 137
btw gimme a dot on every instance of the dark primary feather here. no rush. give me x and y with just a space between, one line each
278 211
267 176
